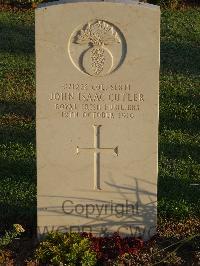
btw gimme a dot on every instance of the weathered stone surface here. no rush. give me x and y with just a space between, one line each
97 116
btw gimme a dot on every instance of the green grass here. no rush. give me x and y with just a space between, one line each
17 119
179 138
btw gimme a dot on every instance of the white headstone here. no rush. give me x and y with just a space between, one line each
97 116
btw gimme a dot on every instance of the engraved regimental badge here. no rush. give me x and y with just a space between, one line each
97 48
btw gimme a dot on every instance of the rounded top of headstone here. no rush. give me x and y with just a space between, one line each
136 2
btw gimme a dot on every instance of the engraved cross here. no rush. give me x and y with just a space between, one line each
97 150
